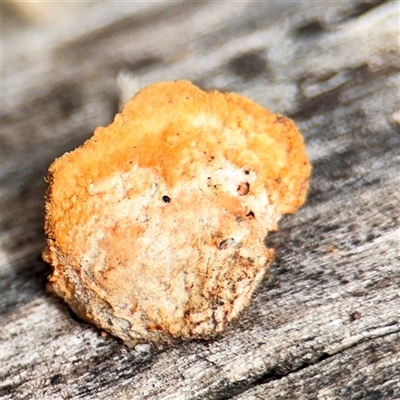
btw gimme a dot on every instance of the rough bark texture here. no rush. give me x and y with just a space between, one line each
326 324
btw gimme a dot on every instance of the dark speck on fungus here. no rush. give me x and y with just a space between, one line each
243 188
225 243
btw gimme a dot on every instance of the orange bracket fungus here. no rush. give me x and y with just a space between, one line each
155 225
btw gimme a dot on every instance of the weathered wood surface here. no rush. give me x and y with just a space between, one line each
326 325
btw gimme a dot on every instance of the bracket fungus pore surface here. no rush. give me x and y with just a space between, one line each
155 225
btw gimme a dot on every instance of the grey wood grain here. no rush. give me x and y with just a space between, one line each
326 323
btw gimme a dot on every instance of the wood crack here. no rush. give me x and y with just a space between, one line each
269 376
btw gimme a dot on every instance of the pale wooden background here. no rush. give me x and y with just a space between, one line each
326 325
